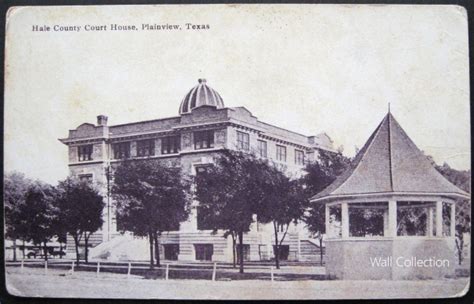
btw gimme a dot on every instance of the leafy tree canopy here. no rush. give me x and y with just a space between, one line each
319 175
39 212
150 196
15 187
230 192
80 206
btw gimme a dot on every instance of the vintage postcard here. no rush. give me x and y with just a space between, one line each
292 151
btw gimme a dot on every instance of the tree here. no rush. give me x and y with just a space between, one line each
15 187
319 175
462 179
283 205
150 198
229 193
39 213
79 212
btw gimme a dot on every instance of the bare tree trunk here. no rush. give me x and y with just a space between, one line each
60 250
150 239
76 243
157 248
277 247
459 245
14 250
241 251
45 250
86 243
234 248
321 248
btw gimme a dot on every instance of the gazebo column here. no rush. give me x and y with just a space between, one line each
392 219
385 222
453 219
326 220
430 222
345 220
439 219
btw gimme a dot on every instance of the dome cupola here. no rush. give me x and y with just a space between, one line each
200 95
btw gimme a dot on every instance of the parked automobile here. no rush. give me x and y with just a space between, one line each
56 253
33 253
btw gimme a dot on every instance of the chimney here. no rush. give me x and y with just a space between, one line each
102 120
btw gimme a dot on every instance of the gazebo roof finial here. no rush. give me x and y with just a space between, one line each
390 162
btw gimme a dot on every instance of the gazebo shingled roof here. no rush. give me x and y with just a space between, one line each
390 162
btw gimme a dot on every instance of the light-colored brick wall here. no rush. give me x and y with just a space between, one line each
224 137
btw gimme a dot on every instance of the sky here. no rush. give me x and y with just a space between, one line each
308 68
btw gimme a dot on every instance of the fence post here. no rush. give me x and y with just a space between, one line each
167 272
129 270
98 268
72 267
271 272
214 272
22 265
45 267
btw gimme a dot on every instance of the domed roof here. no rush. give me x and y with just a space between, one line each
200 95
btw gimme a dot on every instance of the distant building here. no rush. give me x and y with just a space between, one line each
191 140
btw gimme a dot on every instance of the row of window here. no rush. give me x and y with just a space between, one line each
204 252
243 143
169 145
369 219
202 140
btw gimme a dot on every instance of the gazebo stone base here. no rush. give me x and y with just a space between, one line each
401 258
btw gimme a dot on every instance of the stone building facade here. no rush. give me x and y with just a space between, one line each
203 128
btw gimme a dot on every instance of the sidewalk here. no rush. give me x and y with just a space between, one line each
87 285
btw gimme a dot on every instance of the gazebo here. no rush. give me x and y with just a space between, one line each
391 215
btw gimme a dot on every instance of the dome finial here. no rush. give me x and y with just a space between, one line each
202 80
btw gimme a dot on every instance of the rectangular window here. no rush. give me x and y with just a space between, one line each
412 218
262 148
146 147
171 251
368 219
281 153
334 221
447 209
84 152
204 252
204 139
170 144
243 141
283 253
202 168
85 178
299 157
121 150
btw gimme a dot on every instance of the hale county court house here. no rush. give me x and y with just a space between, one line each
203 127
